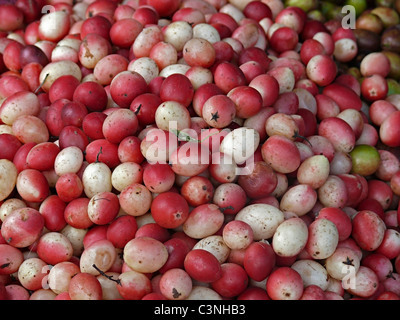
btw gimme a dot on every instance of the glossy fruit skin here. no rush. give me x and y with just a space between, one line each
84 286
9 146
197 190
170 209
126 86
374 88
69 186
22 227
119 125
322 70
158 177
202 266
259 260
278 148
52 210
219 111
176 284
289 239
339 133
177 251
365 160
368 220
32 185
388 131
12 257
255 186
281 282
177 87
340 218
205 220
151 259
343 96
92 95
322 244
54 247
233 281
284 39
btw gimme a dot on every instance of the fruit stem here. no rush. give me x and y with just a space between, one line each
224 208
98 155
138 109
297 135
390 275
118 281
42 83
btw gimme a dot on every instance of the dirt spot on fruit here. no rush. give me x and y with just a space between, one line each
175 293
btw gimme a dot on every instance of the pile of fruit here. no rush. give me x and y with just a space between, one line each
199 149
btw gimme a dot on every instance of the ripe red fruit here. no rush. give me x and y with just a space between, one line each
11 17
345 97
259 260
202 266
309 49
228 76
177 87
285 283
96 24
169 209
368 230
63 88
164 8
104 151
233 281
9 146
69 186
126 86
92 95
374 88
85 286
321 69
119 125
389 131
22 227
284 39
32 185
261 182
257 10
177 251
